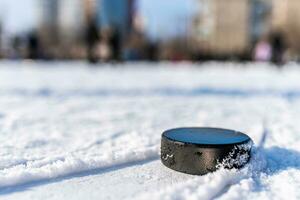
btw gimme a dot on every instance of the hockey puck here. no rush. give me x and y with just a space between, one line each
199 151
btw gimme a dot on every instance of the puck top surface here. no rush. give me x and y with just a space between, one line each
206 136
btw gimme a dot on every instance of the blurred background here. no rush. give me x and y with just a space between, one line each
144 30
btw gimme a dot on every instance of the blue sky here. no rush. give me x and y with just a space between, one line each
166 17
18 15
163 17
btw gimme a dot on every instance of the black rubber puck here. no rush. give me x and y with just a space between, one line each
199 151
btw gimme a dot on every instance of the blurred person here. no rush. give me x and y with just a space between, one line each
16 51
115 44
291 55
92 39
33 46
130 53
135 47
263 50
103 50
278 48
152 51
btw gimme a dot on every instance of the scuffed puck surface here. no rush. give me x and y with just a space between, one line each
202 150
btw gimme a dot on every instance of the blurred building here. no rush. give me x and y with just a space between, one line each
63 23
48 21
260 19
90 8
285 19
71 19
61 26
116 14
221 27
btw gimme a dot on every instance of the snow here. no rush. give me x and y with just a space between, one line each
73 131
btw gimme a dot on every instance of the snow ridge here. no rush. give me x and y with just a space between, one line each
213 185
71 164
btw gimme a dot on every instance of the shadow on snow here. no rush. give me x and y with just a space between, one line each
163 91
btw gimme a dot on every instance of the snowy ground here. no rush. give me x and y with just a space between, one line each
69 131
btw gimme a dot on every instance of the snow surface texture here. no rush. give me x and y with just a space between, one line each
70 131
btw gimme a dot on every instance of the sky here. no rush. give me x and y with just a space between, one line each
18 15
163 18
